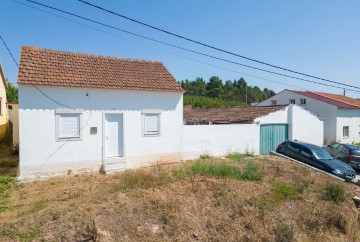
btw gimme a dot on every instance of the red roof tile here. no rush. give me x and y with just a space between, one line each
228 115
333 99
59 68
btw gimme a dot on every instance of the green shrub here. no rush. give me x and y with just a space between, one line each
283 190
334 192
252 172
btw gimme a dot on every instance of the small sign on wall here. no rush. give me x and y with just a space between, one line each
93 130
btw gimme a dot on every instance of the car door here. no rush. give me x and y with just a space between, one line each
307 156
294 150
332 149
338 152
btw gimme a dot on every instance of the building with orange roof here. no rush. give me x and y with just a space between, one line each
341 114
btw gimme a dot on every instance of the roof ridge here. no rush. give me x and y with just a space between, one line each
90 55
337 100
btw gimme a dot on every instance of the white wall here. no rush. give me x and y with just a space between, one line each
324 110
219 140
41 154
351 118
306 126
303 125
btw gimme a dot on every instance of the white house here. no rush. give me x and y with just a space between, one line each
81 112
257 130
341 114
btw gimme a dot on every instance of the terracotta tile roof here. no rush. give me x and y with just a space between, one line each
334 99
59 68
228 115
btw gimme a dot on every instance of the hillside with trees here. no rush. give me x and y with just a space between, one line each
215 93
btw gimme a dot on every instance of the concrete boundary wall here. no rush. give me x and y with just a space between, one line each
219 140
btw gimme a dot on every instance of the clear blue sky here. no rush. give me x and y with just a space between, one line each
315 37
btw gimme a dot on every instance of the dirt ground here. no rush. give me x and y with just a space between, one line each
8 162
162 203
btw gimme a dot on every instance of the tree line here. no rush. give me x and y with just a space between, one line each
216 93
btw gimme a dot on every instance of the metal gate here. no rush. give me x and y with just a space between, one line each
271 135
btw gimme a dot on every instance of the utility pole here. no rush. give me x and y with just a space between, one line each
246 96
344 92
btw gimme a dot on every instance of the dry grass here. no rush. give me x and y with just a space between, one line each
178 203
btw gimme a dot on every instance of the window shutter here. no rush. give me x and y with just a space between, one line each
69 126
151 123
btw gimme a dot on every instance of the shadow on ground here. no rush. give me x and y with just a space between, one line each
8 162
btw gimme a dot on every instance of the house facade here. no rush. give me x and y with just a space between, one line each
86 112
341 114
256 130
4 119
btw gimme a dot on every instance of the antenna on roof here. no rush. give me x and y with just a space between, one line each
344 92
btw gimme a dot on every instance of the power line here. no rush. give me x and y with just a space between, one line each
185 49
172 53
9 51
16 63
213 47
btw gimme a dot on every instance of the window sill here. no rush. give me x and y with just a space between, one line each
68 139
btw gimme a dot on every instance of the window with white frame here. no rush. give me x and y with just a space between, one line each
273 102
302 101
68 124
151 122
292 101
345 131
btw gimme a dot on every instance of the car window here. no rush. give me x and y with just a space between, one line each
322 154
334 146
306 152
355 152
294 147
346 150
339 148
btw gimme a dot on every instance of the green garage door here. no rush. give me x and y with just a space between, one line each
271 135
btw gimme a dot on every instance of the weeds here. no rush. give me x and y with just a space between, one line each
205 157
334 192
283 190
142 179
252 172
216 170
6 183
236 156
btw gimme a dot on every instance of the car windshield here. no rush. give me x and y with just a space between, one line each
322 154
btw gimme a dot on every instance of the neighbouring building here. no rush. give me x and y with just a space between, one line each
81 112
258 130
341 114
4 118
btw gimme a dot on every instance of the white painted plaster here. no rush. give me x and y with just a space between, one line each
219 140
325 111
351 118
41 153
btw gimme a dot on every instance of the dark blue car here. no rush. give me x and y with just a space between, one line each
317 157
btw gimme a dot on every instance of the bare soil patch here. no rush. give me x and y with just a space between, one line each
272 199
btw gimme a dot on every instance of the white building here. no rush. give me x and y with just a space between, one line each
257 130
79 112
341 114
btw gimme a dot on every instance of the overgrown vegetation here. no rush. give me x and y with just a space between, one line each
241 198
236 156
6 183
216 94
334 192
